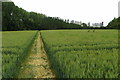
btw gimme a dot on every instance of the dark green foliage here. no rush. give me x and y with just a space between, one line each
114 24
15 18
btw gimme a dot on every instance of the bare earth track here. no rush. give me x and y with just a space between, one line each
36 65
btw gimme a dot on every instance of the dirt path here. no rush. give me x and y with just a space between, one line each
36 65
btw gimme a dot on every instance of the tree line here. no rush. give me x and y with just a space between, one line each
15 18
114 24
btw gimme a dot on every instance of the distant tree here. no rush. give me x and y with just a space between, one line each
88 24
102 24
84 25
114 24
67 20
72 21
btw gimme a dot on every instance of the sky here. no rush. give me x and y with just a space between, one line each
93 11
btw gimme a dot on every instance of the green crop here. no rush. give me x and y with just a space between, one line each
82 54
15 47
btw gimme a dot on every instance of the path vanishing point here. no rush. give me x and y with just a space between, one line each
36 64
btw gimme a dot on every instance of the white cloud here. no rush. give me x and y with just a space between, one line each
80 10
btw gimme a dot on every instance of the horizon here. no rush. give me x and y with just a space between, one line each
84 11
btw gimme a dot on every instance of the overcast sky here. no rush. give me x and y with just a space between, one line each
79 10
